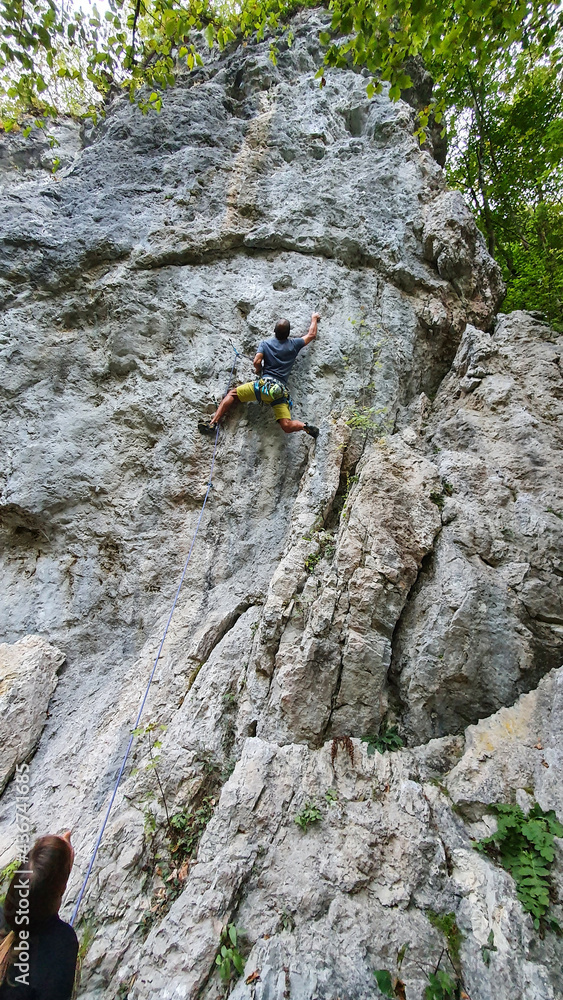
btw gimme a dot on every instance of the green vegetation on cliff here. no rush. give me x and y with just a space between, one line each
496 67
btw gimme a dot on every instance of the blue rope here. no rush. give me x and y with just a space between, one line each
244 357
147 689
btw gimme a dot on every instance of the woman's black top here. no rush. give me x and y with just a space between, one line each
53 949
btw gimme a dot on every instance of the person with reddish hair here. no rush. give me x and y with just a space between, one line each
38 951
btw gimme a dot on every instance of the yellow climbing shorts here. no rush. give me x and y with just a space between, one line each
246 394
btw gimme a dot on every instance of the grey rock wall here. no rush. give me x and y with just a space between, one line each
485 620
404 567
28 677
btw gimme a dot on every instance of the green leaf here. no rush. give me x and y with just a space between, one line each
401 953
384 982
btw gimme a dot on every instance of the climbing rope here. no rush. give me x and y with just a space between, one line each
147 689
243 357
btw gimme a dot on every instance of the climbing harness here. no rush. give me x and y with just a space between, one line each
270 392
153 671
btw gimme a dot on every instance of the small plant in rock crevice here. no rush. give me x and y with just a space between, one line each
171 861
326 550
388 739
172 844
346 743
6 875
385 983
439 498
442 984
446 923
154 745
187 828
309 815
312 559
392 986
524 845
228 739
287 921
367 418
488 948
87 932
229 960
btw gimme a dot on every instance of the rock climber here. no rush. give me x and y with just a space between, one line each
38 951
273 362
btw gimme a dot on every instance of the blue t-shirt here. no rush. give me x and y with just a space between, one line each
279 356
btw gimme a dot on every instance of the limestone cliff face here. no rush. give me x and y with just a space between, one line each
406 566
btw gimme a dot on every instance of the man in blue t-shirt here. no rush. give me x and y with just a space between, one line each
273 362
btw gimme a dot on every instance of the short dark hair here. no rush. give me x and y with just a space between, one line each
282 329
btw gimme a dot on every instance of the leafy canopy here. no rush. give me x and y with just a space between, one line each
456 39
509 164
138 43
497 67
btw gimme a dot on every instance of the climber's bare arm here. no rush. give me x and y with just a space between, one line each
312 333
258 363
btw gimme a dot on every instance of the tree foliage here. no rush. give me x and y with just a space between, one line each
139 42
457 40
508 161
496 66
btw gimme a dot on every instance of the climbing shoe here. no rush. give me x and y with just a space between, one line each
311 431
207 428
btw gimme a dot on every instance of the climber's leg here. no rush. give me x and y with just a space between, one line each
224 406
282 413
290 426
210 426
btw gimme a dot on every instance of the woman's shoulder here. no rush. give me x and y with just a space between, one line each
63 932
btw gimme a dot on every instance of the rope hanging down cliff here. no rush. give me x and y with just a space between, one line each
152 673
